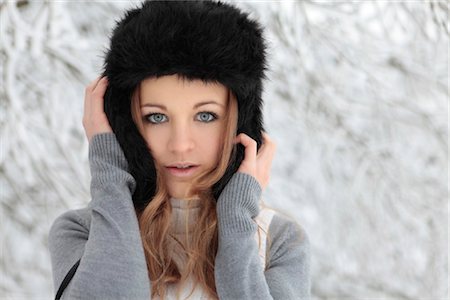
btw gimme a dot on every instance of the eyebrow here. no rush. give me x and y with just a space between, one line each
195 106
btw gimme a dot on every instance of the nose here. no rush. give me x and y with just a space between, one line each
181 139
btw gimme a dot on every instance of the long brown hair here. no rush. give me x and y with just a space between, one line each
154 220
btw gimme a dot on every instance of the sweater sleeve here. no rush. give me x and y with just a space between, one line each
113 264
239 273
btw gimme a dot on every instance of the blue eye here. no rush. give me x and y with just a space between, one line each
156 118
206 117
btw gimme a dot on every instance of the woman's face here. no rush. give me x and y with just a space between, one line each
183 126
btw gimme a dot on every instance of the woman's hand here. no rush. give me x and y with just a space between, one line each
257 163
94 117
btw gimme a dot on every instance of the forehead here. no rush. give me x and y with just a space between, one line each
172 88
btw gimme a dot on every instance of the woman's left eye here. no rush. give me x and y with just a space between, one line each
206 117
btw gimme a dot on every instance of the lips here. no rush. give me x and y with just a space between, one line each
182 165
182 170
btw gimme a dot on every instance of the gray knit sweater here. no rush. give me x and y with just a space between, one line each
105 235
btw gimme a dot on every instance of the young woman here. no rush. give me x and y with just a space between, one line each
179 160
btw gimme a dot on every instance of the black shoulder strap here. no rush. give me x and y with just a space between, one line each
66 280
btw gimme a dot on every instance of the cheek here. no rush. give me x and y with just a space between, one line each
212 144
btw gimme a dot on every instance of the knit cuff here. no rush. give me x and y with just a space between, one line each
238 204
107 160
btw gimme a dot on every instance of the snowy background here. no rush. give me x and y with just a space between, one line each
357 102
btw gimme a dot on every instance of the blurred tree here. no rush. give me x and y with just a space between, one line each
357 102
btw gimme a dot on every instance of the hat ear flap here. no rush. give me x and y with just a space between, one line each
140 161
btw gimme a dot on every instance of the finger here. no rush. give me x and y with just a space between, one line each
87 95
267 150
266 138
97 81
266 153
91 86
250 146
98 95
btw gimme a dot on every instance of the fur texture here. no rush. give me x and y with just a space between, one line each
206 40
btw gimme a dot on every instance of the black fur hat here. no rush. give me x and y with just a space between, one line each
208 40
